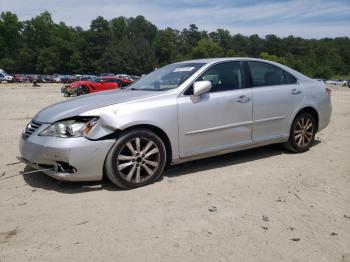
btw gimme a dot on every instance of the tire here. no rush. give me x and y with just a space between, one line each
129 167
84 91
302 133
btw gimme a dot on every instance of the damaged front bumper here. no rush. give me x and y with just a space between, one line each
70 159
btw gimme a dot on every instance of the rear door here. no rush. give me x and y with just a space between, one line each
276 95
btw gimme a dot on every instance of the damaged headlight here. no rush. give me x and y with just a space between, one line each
70 128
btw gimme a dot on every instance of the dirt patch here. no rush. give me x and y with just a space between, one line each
6 236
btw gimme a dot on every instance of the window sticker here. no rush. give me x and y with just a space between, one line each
183 69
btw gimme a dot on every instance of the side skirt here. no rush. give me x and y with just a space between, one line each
276 140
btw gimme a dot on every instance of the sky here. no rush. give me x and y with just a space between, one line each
305 18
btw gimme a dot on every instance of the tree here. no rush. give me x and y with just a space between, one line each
48 61
164 46
135 45
206 48
274 58
119 27
140 27
10 29
223 38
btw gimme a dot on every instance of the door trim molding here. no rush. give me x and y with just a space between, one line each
220 128
269 119
235 125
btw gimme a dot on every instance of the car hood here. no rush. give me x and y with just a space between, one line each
76 106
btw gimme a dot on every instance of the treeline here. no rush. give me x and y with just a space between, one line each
136 46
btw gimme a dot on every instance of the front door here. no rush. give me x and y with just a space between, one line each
219 119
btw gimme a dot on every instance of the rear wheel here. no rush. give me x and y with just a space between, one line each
137 159
302 133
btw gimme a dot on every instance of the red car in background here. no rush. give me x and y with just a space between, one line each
96 85
20 78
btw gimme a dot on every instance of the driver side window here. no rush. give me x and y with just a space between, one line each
224 76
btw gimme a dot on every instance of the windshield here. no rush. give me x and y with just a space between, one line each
97 80
167 77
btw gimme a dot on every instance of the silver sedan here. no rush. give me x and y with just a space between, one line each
180 112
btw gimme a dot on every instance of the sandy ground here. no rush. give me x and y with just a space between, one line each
258 205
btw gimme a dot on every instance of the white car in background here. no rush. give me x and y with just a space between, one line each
341 82
57 79
337 82
5 77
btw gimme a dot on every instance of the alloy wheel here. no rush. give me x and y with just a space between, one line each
138 159
303 132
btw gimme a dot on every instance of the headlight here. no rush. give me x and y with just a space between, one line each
70 128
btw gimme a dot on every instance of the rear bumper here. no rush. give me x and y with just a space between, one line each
70 159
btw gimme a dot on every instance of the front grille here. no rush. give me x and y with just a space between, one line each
30 129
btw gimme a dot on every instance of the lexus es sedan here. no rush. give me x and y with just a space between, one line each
180 112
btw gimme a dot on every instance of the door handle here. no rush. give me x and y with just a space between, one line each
295 91
243 99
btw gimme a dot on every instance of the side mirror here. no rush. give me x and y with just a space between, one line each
201 87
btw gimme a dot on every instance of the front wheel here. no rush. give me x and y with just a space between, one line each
302 133
137 159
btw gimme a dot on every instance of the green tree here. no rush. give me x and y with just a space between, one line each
206 48
135 45
274 58
48 61
164 46
10 28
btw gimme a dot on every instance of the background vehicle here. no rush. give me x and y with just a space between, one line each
135 77
20 78
47 79
91 86
5 77
107 74
67 79
337 82
31 77
341 82
57 79
180 112
87 77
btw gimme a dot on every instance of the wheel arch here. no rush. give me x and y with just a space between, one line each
311 110
157 130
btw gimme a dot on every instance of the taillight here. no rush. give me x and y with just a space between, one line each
328 91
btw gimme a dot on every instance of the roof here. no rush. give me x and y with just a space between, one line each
221 59
297 74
